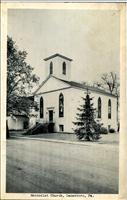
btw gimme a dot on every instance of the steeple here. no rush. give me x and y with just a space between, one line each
59 66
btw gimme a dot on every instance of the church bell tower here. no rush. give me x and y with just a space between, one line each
58 66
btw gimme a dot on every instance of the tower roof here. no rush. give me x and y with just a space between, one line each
57 54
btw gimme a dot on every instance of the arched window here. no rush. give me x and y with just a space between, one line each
109 109
61 105
41 108
99 107
51 68
64 68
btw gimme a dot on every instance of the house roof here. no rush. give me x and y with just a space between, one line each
77 85
19 113
57 54
84 86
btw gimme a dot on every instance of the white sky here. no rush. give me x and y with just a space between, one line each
89 37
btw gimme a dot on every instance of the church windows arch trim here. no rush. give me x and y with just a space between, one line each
51 68
99 107
109 109
64 68
41 107
61 105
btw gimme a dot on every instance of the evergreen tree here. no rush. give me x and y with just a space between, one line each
86 126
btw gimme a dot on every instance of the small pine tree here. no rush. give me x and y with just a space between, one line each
87 127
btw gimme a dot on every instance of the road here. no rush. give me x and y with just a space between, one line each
35 166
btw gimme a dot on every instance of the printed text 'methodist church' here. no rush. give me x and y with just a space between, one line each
58 98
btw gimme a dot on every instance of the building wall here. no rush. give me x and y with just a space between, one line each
32 118
57 68
51 102
72 100
76 99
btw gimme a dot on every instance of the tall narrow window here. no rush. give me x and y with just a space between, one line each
109 109
41 108
51 68
64 68
61 105
99 107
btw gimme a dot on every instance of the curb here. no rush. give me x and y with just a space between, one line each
68 142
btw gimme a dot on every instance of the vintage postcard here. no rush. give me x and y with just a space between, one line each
63 96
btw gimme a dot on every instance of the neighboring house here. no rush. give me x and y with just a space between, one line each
20 120
58 98
17 121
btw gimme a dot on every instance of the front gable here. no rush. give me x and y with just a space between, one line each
51 84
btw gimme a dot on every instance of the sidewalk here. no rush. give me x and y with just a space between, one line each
106 140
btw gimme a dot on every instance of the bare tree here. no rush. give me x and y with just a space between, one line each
110 82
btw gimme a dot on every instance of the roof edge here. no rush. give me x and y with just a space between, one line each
94 89
43 82
55 55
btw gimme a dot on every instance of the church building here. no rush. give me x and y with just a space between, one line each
58 98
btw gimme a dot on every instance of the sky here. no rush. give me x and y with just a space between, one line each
89 37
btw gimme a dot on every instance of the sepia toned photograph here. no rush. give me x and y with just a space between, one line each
62 101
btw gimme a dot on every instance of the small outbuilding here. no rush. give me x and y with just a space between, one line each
18 121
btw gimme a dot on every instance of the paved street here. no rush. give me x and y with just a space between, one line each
35 166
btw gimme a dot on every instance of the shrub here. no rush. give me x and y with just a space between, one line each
111 130
38 128
103 130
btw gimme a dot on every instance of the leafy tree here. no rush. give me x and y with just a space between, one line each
20 79
86 126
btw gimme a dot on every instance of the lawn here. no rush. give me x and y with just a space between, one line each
111 138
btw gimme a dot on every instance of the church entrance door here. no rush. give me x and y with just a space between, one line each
50 116
51 124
